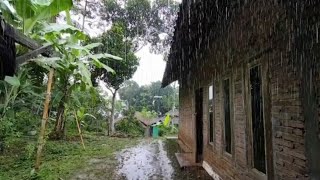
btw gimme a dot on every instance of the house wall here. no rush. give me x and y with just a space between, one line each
187 124
260 33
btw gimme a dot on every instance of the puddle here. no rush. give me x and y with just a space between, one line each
148 160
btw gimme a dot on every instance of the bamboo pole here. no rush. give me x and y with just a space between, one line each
78 125
44 120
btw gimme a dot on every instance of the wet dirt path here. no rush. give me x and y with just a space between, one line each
148 160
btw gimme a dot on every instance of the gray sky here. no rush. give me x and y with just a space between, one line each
151 67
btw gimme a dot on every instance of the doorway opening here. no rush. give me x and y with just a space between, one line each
199 124
258 128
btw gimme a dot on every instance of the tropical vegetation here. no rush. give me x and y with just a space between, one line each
58 96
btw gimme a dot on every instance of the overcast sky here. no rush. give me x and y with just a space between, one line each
151 67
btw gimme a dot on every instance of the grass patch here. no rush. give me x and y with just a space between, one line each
61 159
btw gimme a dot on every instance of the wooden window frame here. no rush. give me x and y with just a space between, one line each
250 117
229 156
212 143
263 63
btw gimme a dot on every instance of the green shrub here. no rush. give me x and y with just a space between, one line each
18 123
130 126
6 127
167 130
129 112
30 150
26 121
96 126
148 114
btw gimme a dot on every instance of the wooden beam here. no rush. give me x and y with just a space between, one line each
27 42
32 54
20 38
23 39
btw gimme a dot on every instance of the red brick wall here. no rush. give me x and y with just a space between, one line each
255 29
287 119
186 124
239 119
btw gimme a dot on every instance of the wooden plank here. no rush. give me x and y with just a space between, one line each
27 42
32 54
22 39
172 137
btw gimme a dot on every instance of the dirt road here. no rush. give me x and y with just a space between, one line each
149 160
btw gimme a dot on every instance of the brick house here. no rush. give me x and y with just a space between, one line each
249 85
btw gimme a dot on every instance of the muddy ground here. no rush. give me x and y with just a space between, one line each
151 159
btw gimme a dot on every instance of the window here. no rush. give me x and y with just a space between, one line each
258 137
227 116
211 113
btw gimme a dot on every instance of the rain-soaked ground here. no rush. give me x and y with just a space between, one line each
148 160
151 159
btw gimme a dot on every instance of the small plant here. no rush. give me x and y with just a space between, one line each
30 150
167 130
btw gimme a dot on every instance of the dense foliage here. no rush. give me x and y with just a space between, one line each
130 127
149 97
63 159
147 21
115 42
73 99
76 102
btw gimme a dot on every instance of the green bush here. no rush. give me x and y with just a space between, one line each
148 114
130 126
169 130
96 126
130 112
26 121
6 127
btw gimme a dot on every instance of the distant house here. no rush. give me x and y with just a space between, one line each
147 122
249 87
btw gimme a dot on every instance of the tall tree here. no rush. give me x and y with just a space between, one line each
147 21
114 42
129 92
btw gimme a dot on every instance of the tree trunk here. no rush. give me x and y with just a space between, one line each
111 123
79 130
44 121
84 14
58 132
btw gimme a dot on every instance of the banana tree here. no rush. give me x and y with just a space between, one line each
72 64
26 14
14 87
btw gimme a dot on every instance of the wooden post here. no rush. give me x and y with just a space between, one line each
78 125
44 121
